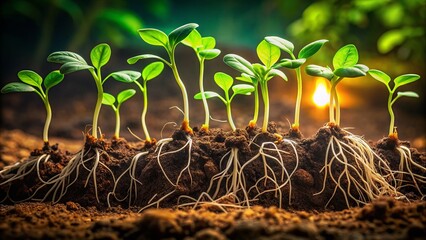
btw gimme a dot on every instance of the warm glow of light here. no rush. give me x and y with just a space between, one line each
321 95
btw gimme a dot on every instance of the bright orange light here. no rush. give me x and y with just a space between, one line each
321 96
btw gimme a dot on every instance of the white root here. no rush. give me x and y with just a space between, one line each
361 174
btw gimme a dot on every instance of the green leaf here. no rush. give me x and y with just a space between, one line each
279 73
63 57
135 59
153 36
405 79
268 53
238 63
193 40
380 76
180 33
350 72
53 79
208 42
259 70
209 53
245 78
71 67
390 39
318 71
346 56
126 76
362 67
407 94
223 80
243 89
290 63
100 55
207 94
108 99
17 87
152 70
30 77
312 48
283 44
125 95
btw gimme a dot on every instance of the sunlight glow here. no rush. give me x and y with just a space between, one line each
321 95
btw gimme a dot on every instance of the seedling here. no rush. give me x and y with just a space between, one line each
204 49
345 63
100 55
258 73
150 72
109 100
32 82
225 82
397 82
169 42
296 63
406 161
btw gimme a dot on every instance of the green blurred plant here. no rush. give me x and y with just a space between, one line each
32 82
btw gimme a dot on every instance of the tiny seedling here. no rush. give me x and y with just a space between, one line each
258 74
32 82
169 42
345 63
397 82
100 55
296 63
225 82
150 72
204 49
109 100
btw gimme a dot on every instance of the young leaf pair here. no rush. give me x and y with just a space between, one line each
169 42
345 63
397 82
32 82
99 56
225 82
296 63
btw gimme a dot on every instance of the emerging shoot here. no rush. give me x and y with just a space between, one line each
296 63
258 74
345 63
109 100
32 82
100 55
169 42
225 82
397 82
204 49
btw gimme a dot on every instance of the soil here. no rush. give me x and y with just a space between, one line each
82 213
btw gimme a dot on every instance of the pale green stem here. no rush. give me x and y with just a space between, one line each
181 86
265 95
229 113
117 122
256 104
98 81
337 102
331 105
298 98
48 120
391 114
206 106
145 109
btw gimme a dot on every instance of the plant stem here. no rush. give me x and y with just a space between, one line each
391 114
145 109
185 123
256 104
98 105
206 106
229 114
117 123
265 95
336 100
331 105
48 120
296 123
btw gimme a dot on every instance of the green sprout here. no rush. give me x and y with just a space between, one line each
100 55
397 82
109 100
296 63
225 82
150 72
156 37
204 49
258 74
32 82
345 63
